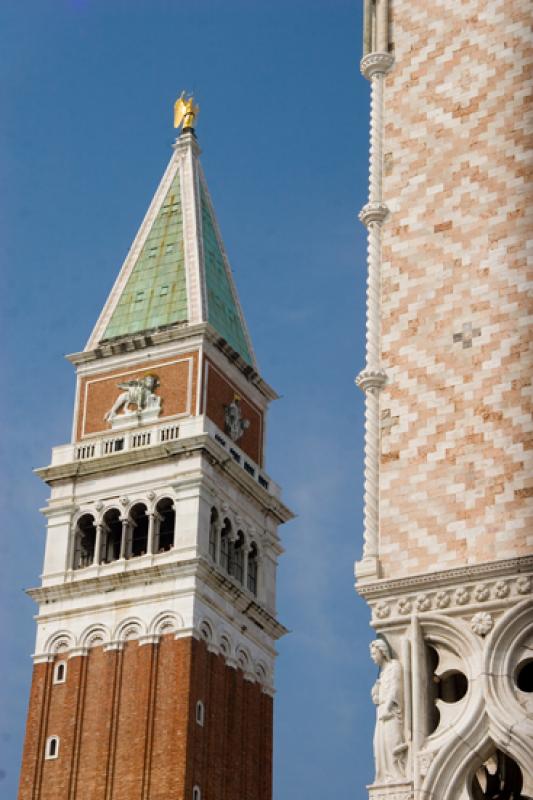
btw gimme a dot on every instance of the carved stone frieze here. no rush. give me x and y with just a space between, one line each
466 596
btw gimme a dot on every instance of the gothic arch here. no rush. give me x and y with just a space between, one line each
492 719
510 723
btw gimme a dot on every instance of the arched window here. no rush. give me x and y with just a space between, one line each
499 778
213 534
196 793
224 544
252 568
51 749
85 539
138 544
112 536
60 672
236 557
200 713
166 523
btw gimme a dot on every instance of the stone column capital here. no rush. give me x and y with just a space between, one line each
376 64
371 378
373 212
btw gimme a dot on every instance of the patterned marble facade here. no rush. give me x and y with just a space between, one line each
448 550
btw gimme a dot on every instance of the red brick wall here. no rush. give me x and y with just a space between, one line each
219 393
96 728
97 393
30 776
128 731
230 757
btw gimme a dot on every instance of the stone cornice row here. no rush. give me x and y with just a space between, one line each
198 568
384 588
202 443
174 333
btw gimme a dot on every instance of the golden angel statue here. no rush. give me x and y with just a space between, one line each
185 112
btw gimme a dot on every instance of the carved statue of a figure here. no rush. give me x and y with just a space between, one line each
138 392
390 750
233 420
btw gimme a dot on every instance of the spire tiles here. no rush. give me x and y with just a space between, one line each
177 271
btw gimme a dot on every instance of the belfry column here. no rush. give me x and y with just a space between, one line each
371 379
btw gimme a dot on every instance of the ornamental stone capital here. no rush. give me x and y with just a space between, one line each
370 379
375 64
373 212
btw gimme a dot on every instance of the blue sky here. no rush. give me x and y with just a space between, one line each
86 131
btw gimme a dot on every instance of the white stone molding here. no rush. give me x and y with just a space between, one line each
59 642
166 622
148 638
77 652
95 636
188 147
130 628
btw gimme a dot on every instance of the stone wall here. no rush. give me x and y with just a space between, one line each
456 465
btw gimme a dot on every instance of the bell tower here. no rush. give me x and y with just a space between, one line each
447 556
156 625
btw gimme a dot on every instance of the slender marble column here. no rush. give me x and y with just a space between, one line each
374 67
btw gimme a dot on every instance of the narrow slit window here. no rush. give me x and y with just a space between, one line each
60 672
200 713
52 747
196 793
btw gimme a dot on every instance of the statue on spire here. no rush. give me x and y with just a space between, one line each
185 111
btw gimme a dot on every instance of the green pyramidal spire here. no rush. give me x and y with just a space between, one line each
176 271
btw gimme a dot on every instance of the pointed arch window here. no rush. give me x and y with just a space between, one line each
499 778
84 542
